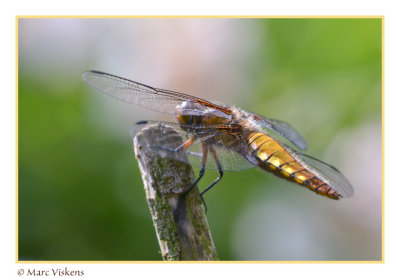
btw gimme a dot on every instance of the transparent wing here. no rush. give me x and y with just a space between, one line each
229 159
281 128
146 96
331 175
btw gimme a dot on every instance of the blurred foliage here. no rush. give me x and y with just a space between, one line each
329 67
68 205
80 193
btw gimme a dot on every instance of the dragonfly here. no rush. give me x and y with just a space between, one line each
236 139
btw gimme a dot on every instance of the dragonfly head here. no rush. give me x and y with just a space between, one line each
186 111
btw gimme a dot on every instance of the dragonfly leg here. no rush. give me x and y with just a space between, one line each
201 174
183 146
186 144
202 169
220 172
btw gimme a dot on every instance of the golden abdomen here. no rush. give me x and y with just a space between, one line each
273 157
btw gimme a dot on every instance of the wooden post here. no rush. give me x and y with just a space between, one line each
185 236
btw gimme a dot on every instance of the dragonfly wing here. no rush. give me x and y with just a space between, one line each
131 92
282 129
229 159
146 96
328 173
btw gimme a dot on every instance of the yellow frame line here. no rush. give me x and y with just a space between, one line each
200 16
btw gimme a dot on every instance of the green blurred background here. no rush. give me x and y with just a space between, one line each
80 195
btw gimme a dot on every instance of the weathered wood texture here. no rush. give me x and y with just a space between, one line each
185 236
